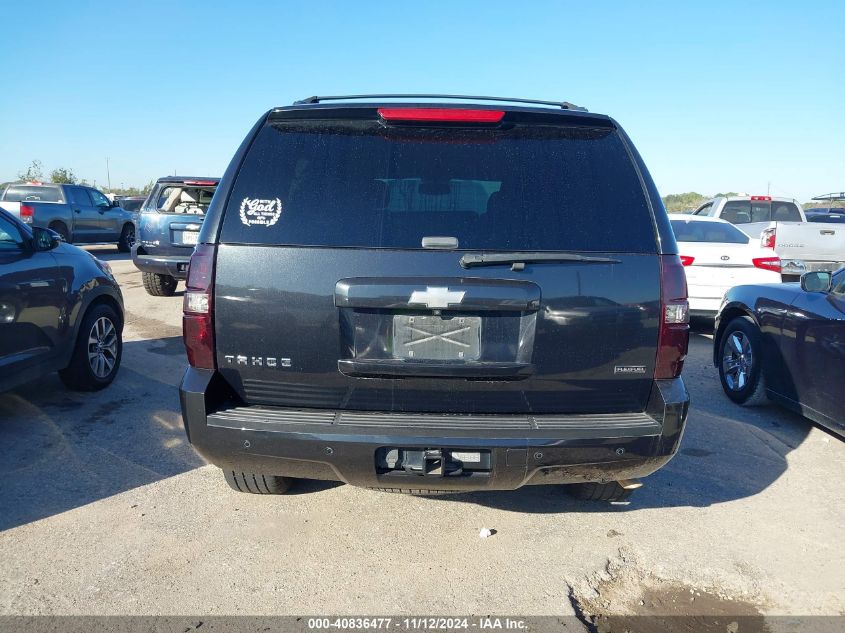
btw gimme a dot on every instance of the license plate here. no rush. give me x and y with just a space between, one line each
466 457
190 237
429 337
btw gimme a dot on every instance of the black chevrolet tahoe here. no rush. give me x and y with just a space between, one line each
436 296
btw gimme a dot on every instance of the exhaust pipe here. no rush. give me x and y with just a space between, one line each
630 484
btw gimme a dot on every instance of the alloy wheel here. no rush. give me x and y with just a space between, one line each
737 360
102 347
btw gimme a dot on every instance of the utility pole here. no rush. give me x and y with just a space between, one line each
768 188
108 174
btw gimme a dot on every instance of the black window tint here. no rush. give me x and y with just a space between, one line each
737 212
79 196
131 205
692 231
785 212
39 193
357 183
761 211
10 237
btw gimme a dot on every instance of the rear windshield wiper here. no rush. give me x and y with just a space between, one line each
518 260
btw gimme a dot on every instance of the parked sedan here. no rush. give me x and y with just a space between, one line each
717 256
60 310
786 342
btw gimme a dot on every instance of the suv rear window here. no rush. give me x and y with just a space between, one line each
40 193
180 198
359 184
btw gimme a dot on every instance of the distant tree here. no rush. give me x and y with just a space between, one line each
35 171
134 191
677 202
63 176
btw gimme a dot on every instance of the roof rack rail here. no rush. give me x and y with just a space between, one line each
560 104
840 195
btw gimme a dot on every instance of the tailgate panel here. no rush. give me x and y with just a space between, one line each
313 327
813 241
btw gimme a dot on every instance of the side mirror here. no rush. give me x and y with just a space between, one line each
45 239
816 282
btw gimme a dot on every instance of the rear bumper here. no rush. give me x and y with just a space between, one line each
173 265
343 446
704 306
797 267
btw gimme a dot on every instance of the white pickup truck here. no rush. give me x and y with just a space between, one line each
781 225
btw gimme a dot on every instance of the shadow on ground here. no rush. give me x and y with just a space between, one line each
63 449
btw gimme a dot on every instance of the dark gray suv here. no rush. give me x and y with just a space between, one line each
60 310
436 297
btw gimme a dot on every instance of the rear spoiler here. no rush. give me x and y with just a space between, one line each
565 105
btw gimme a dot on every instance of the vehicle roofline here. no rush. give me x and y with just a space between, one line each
778 198
696 218
184 178
366 105
38 184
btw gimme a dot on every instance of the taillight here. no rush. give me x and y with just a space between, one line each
441 115
767 263
768 198
26 213
673 339
767 238
686 260
198 309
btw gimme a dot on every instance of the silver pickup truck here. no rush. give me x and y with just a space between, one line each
78 213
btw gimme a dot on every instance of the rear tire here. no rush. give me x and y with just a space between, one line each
97 351
741 361
595 491
127 238
257 484
61 229
159 285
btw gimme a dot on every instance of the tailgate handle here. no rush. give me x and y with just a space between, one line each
466 295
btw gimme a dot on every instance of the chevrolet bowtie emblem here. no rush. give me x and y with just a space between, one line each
436 297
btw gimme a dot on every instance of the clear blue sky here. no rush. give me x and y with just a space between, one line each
717 97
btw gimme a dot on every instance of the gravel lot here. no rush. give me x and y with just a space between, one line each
105 509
